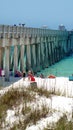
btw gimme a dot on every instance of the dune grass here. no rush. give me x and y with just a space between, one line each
62 124
32 118
13 97
40 91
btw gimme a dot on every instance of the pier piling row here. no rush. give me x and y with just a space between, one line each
24 48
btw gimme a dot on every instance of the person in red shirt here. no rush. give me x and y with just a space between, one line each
30 76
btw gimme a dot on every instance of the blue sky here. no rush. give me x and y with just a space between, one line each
36 13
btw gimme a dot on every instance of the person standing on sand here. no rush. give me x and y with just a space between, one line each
24 75
30 76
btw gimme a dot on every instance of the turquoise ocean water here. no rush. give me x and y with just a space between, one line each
62 68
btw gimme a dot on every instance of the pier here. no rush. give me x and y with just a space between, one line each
23 48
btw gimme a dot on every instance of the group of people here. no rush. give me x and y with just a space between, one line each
29 75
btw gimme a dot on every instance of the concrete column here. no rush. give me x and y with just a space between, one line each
11 63
46 52
48 49
57 49
19 55
1 58
28 57
15 58
63 48
7 63
54 49
32 42
71 40
34 58
65 42
60 49
55 54
51 49
42 54
44 44
53 58
36 54
64 45
22 58
50 53
38 58
37 51
25 57
68 45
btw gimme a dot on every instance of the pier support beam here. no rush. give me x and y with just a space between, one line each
34 58
22 58
50 53
6 63
28 57
1 58
47 58
15 59
38 57
42 54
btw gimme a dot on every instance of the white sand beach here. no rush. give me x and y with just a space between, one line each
61 103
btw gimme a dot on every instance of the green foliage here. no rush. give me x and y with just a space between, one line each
40 91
